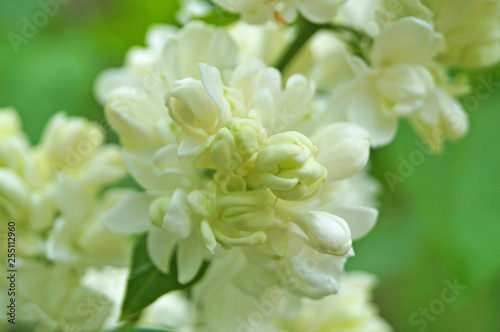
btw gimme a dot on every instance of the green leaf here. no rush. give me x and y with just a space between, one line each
146 283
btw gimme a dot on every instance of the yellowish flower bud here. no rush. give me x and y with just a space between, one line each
327 233
247 211
287 166
14 196
158 209
236 143
69 142
10 124
192 108
230 182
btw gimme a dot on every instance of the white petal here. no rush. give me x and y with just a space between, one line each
319 11
222 60
320 279
365 107
326 232
177 220
409 40
112 79
347 158
212 81
140 165
189 257
337 132
360 219
208 236
130 214
192 43
189 145
160 244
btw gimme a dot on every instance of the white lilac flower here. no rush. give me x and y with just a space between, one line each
236 161
282 11
50 192
108 282
70 148
400 83
300 257
471 29
351 309
266 42
371 16
174 311
25 197
78 236
71 304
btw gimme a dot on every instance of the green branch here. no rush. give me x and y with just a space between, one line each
308 29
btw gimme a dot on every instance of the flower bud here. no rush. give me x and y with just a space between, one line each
326 233
158 209
192 109
236 143
441 117
247 211
10 125
404 87
229 182
14 196
138 120
287 166
69 142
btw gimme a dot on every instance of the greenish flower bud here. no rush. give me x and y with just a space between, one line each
236 143
287 166
69 142
326 233
192 109
230 182
202 201
14 196
158 209
247 211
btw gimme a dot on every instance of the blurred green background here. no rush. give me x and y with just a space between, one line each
442 223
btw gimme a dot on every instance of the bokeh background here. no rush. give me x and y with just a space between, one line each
442 223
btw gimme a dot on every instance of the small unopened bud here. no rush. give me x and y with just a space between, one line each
236 143
158 209
287 166
246 211
327 233
192 109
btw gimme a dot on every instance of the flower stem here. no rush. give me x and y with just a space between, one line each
308 29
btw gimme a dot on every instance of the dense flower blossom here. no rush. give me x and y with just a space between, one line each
471 30
249 143
49 191
232 310
402 81
236 158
